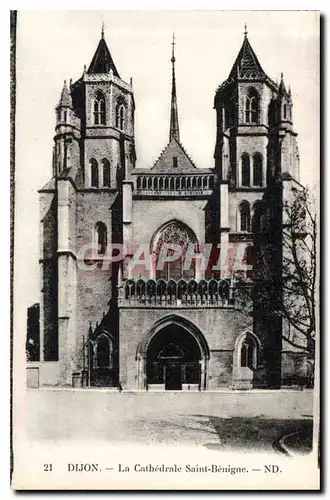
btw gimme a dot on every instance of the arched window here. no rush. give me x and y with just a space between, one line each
252 106
244 216
245 170
99 109
104 351
101 238
183 239
94 173
249 353
120 116
106 172
257 170
256 217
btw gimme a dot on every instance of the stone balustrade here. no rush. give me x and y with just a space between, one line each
181 293
174 184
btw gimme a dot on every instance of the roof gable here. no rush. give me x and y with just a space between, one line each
165 163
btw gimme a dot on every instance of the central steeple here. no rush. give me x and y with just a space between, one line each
174 123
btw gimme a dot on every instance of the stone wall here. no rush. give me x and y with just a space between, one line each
149 216
94 279
220 328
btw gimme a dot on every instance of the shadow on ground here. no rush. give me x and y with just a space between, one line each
257 433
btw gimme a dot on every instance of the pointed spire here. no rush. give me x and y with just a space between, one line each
282 89
65 99
102 61
246 63
102 30
174 122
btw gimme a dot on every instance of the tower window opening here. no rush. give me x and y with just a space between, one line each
120 116
244 212
175 162
245 170
102 112
101 238
252 107
106 172
99 109
257 170
94 173
257 219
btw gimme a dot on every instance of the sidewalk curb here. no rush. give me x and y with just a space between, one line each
143 391
281 447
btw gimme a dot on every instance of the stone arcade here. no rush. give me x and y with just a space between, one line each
157 329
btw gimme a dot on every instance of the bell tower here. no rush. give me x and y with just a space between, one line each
106 108
255 150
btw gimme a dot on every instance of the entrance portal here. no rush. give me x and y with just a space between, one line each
174 359
173 377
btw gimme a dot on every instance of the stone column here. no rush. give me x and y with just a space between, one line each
202 366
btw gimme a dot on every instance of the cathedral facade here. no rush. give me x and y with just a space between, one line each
157 311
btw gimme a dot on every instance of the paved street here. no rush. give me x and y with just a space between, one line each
223 421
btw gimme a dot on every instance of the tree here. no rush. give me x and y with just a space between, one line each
286 284
299 269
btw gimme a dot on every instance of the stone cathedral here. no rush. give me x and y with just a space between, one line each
107 323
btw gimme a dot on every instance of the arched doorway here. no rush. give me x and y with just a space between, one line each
101 362
246 360
173 356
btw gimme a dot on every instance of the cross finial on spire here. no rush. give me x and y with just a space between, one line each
173 44
102 29
245 30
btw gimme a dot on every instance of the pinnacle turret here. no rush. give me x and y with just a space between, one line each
65 99
281 88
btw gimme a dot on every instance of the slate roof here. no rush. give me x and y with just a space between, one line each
246 67
102 61
246 64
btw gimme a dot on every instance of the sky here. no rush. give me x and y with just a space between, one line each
55 45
